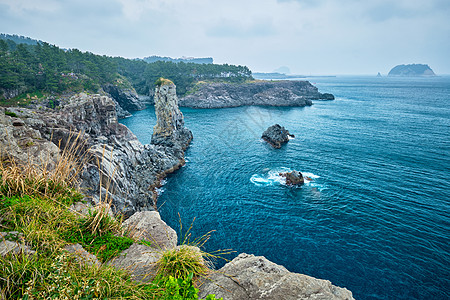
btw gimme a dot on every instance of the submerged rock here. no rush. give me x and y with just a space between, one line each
293 178
276 135
249 277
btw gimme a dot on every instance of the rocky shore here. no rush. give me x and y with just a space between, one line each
116 158
265 93
134 170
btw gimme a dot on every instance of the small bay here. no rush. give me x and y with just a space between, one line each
375 219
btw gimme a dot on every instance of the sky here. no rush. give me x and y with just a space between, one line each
309 37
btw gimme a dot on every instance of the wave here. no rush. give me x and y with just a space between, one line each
271 177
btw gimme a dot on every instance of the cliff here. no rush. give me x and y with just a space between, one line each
266 93
411 70
116 155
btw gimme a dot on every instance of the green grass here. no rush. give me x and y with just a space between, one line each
23 99
11 114
35 201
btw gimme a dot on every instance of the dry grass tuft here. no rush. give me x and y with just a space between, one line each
17 179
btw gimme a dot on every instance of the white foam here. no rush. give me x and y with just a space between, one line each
272 177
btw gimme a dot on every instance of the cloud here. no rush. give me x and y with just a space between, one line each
236 29
320 36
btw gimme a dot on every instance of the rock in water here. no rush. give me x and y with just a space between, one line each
293 178
276 135
169 130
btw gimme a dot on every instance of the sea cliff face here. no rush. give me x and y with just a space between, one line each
265 93
117 158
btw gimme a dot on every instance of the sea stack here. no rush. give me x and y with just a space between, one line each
169 130
276 135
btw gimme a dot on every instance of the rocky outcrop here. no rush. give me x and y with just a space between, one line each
82 255
266 93
148 226
276 135
293 178
120 167
412 70
249 277
169 130
19 142
126 99
139 260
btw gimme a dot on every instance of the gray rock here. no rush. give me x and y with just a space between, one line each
169 130
148 226
23 144
127 98
82 255
139 261
249 277
293 178
119 167
16 248
265 93
81 208
11 235
276 135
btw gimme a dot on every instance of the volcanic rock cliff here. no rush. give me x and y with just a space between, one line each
169 130
117 158
266 93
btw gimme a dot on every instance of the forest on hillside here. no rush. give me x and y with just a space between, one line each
47 68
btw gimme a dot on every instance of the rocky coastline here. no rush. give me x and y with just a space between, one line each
134 170
264 93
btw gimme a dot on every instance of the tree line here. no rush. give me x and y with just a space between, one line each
48 68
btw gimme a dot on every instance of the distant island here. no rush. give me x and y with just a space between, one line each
411 70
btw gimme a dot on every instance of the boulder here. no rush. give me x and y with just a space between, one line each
16 248
293 178
139 260
148 226
82 255
276 135
249 277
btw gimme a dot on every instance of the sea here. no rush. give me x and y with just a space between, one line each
374 216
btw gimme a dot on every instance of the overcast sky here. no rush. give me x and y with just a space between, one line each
308 36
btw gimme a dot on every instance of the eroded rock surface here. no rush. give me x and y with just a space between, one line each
139 260
169 130
148 226
119 167
249 277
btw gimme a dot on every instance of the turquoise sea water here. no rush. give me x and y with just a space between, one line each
375 219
